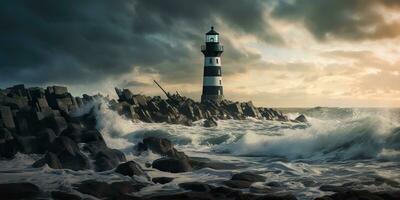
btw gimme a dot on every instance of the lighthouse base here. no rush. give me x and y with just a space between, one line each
216 98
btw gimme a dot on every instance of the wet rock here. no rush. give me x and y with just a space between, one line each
160 146
362 195
210 122
8 147
45 138
274 184
27 122
199 163
257 189
301 118
249 110
162 180
50 159
95 147
19 191
60 195
68 153
248 176
105 190
223 192
89 136
73 131
108 159
95 188
172 165
237 184
55 122
6 117
130 168
28 144
183 196
196 186
333 188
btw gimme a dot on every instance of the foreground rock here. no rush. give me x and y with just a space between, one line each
248 176
362 195
115 190
130 168
173 165
175 161
162 180
60 195
19 191
244 180
64 153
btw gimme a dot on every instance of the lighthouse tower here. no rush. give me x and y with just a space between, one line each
212 78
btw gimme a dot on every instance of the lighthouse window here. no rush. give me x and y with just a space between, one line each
210 61
220 82
211 38
217 60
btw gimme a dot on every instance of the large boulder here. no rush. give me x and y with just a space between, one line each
301 118
91 136
104 190
196 186
19 191
68 154
159 146
108 159
50 159
250 110
362 195
237 184
173 165
95 147
210 122
45 137
6 117
73 131
130 168
162 180
28 144
60 195
8 147
56 122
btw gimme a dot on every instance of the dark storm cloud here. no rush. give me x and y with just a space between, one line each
344 19
86 41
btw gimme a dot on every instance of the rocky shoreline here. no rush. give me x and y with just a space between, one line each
44 121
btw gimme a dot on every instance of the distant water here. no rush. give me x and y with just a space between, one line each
347 146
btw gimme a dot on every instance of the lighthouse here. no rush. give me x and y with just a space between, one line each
212 77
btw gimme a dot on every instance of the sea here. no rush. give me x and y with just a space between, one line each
358 148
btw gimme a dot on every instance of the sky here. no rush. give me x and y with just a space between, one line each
278 53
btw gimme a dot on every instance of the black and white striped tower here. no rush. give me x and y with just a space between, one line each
212 78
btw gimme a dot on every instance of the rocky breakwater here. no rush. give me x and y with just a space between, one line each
177 109
39 121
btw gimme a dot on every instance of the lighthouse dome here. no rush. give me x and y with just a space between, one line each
212 31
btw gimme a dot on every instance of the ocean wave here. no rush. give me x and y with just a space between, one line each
358 134
361 138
